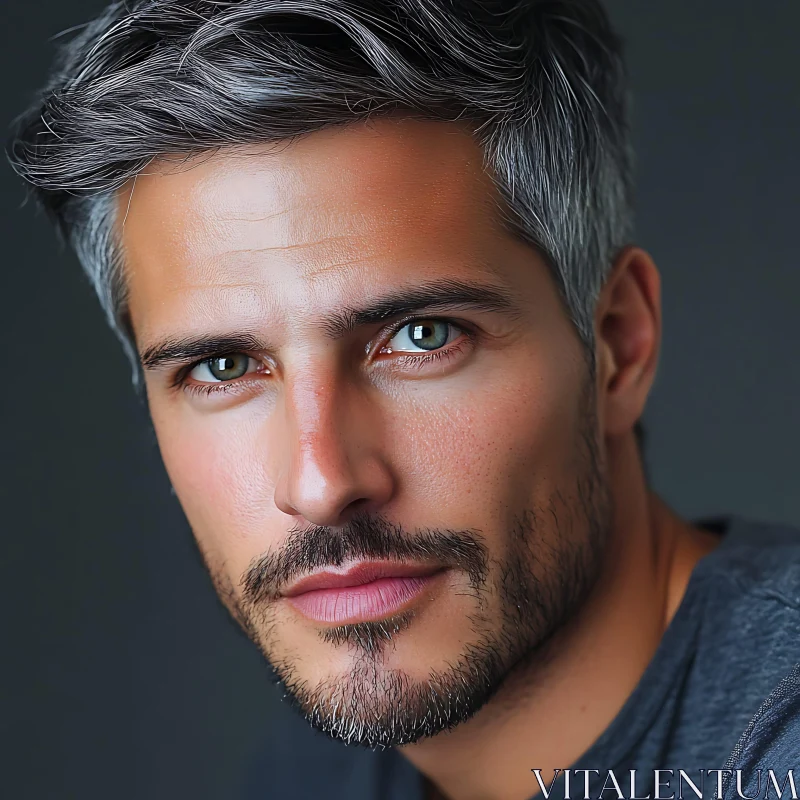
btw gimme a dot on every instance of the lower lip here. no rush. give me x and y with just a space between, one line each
368 601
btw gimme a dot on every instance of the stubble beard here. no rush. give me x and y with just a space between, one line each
541 585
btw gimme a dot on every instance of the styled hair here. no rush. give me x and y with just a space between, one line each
540 82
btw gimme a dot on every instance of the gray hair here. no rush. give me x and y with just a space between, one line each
541 83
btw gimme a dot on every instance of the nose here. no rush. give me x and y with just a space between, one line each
332 465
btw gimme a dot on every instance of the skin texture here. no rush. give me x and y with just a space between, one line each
323 431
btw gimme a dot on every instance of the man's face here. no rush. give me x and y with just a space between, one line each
396 407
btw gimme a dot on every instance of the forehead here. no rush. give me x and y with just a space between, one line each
331 211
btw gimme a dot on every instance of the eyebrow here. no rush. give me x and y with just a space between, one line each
181 349
435 295
450 294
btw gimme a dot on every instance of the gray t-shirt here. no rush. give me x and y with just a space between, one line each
733 639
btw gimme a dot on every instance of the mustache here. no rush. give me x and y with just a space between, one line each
368 537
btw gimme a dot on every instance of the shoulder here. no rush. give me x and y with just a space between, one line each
766 756
745 603
758 562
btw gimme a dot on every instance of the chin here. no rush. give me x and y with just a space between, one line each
389 682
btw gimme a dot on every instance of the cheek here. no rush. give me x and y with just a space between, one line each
482 449
222 485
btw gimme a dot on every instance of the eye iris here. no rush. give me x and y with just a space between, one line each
226 368
429 334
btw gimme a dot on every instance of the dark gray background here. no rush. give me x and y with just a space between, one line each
122 676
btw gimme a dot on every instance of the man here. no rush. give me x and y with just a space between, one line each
375 262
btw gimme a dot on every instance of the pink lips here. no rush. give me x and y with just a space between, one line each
368 591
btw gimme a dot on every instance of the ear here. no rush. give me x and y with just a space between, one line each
628 336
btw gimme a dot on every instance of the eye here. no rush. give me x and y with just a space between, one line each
422 334
226 367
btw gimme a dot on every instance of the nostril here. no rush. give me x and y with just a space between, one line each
358 506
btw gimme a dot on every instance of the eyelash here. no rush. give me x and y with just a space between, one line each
207 388
405 359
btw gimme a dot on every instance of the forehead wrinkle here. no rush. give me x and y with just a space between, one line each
282 247
302 204
341 267
308 270
215 285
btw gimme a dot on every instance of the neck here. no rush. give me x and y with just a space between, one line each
547 715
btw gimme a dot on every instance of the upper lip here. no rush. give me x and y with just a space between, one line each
358 574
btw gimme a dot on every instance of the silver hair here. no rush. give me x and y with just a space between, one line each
541 83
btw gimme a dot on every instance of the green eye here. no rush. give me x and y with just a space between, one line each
423 334
222 368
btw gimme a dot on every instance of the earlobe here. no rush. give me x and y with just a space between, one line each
628 333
